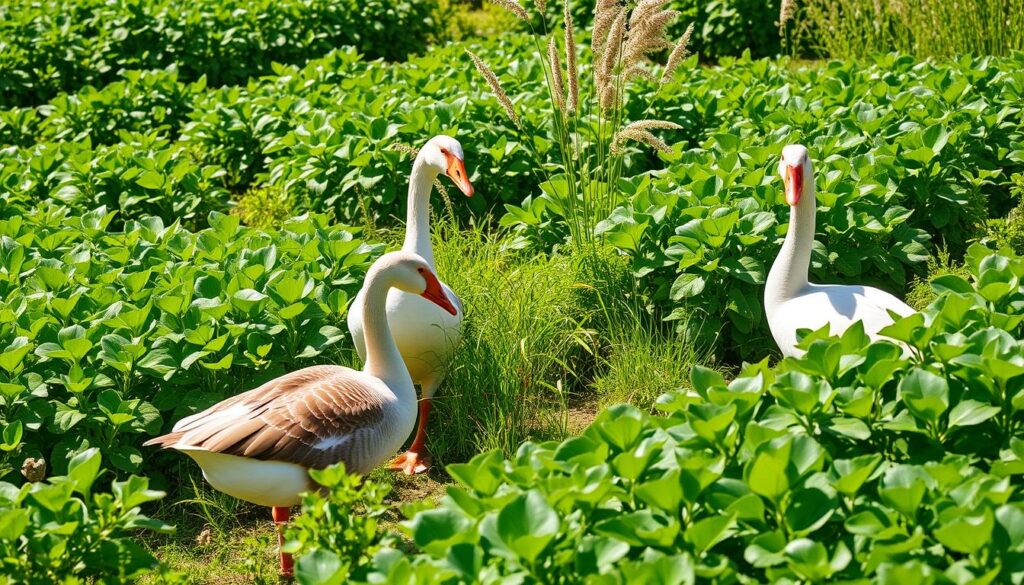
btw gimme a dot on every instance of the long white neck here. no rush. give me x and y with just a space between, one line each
788 276
382 358
417 219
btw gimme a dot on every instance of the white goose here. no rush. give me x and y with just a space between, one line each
424 334
790 301
259 445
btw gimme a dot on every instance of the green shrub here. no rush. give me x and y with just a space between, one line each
338 532
108 334
54 46
62 531
856 462
264 208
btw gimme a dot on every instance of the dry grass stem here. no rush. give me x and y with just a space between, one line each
557 82
679 52
499 93
787 11
513 7
572 70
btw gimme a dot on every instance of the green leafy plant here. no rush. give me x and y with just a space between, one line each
63 530
338 532
110 333
61 45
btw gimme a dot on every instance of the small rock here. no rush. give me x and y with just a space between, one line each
34 469
205 537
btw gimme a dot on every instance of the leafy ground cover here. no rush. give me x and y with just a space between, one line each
61 45
857 462
108 333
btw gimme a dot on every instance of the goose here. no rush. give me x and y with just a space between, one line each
258 446
790 301
424 334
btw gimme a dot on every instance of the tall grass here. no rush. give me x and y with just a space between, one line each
641 361
522 340
587 109
923 28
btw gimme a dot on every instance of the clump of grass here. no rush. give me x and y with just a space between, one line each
643 361
923 28
921 293
1009 231
524 333
589 120
264 207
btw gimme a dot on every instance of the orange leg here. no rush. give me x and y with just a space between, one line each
280 519
417 458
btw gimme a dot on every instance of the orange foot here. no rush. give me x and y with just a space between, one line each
411 462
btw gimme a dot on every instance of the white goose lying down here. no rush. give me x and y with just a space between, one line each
790 301
258 446
425 335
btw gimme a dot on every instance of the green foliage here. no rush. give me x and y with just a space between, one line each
921 293
1009 231
106 334
927 28
856 462
264 207
729 28
704 232
338 533
61 45
61 531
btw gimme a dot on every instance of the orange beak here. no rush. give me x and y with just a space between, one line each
435 293
457 173
794 184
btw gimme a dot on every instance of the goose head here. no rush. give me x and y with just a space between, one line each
795 170
444 154
410 273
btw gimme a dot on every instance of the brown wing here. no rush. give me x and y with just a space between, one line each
313 417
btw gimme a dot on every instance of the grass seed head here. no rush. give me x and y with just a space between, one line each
572 70
640 132
610 59
496 89
557 82
786 12
679 52
513 7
